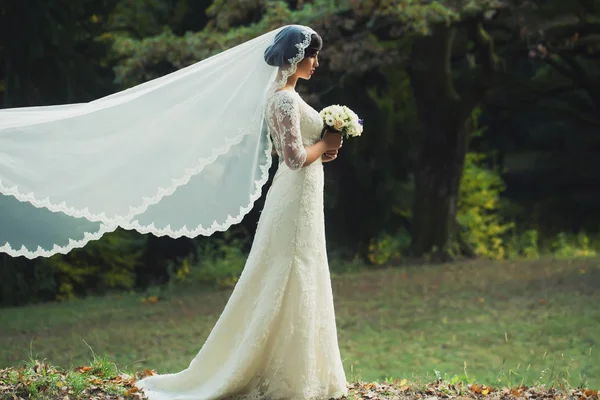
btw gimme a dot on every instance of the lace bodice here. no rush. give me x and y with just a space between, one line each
293 125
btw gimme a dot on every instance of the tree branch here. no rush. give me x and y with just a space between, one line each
568 111
486 58
484 48
541 91
578 74
575 66
125 28
571 112
588 6
561 69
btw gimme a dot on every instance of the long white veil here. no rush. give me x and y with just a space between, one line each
186 154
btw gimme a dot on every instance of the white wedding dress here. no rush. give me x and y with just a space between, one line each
277 337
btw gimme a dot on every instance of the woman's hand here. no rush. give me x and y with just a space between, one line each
333 140
329 155
325 149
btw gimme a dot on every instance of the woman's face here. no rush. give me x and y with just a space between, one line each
307 66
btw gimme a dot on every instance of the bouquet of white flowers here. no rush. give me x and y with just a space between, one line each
342 119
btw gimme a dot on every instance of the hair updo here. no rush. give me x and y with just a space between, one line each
279 56
316 43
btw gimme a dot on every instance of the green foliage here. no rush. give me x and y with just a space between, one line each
524 245
340 265
420 16
479 205
480 212
228 14
40 380
388 248
65 59
108 263
398 121
479 209
102 265
217 262
572 247
140 18
153 56
531 245
21 282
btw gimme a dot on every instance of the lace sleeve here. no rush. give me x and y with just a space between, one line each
287 131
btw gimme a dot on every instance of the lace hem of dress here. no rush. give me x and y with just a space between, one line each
111 224
261 394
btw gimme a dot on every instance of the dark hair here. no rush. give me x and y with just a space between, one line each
275 58
316 43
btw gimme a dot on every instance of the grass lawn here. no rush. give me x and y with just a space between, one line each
518 322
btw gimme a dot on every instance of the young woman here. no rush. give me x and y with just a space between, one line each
277 337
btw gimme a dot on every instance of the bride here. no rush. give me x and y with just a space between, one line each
277 336
187 154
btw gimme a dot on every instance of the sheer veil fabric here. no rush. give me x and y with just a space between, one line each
186 154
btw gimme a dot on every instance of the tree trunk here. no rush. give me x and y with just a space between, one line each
437 179
444 119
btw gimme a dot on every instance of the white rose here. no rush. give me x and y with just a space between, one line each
339 124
